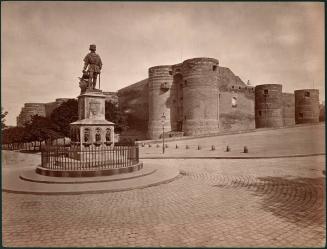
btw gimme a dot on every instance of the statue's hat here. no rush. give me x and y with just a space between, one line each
92 47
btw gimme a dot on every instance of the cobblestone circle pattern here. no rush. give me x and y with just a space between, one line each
217 203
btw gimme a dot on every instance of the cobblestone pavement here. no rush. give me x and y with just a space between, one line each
220 203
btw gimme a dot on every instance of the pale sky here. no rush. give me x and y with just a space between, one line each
43 44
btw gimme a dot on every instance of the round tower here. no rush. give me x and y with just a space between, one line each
200 96
268 106
306 106
160 100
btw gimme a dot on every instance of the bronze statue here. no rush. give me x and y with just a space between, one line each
92 67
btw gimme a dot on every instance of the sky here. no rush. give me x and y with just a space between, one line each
43 44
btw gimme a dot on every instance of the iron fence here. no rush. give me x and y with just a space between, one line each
88 158
32 146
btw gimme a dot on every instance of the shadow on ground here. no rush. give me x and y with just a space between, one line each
298 200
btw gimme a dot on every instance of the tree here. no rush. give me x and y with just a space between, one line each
65 114
3 115
42 128
13 135
115 115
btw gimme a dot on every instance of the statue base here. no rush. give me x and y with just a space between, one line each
92 129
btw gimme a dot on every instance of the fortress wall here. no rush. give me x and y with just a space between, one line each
236 116
133 100
288 109
241 116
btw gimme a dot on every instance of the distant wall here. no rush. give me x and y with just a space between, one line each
29 110
133 101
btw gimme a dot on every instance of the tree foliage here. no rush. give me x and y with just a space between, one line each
58 125
3 115
42 128
115 115
65 114
15 135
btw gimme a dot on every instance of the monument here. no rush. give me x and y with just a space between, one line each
91 128
92 151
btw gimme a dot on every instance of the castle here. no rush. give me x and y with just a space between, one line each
200 97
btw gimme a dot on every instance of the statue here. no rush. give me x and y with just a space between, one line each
91 69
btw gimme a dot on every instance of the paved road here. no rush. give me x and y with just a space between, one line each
221 203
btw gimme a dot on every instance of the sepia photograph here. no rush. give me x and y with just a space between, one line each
163 124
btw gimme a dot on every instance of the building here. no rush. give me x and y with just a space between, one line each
29 110
41 109
196 97
199 97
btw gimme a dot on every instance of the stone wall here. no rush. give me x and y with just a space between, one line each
236 111
133 101
236 102
288 109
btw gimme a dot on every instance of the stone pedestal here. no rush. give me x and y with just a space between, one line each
92 129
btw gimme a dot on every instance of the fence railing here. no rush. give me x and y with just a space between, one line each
33 146
88 158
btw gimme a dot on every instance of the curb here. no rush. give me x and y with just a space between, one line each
233 157
94 191
83 182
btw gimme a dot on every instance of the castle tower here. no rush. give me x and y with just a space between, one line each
160 100
268 106
200 96
306 106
